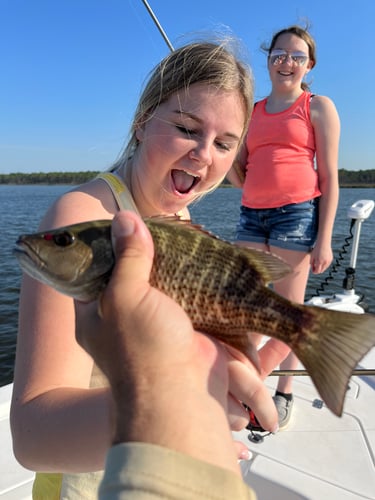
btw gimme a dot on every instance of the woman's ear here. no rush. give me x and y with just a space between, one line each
310 66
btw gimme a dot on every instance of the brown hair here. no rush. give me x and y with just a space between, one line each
301 33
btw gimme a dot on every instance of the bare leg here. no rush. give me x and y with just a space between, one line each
256 338
292 287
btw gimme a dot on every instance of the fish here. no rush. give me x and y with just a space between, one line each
224 288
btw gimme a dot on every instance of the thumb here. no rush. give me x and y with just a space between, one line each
134 252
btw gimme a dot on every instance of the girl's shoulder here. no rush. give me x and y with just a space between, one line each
320 101
90 201
260 103
323 111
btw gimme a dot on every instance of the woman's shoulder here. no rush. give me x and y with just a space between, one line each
90 201
323 111
260 103
318 102
321 103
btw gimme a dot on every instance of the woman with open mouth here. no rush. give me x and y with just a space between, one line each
186 132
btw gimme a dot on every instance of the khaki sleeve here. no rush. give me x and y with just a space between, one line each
142 471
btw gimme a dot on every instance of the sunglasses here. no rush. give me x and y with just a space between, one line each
280 56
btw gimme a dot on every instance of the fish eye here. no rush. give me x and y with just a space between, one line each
63 239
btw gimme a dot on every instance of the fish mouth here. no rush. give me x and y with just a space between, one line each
27 257
184 182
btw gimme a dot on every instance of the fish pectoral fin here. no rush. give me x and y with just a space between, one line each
342 341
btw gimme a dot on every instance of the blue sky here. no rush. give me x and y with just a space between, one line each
72 70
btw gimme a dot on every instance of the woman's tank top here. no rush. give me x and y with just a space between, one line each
83 486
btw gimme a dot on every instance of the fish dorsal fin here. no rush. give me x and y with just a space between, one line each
269 266
176 220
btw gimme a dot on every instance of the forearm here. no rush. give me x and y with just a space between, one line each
63 430
327 211
326 125
180 422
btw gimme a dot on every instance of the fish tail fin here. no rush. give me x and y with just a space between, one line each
339 341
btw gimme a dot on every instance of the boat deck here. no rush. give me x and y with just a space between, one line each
318 456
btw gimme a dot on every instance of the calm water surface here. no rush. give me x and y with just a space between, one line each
22 207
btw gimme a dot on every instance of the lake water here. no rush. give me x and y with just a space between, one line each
21 208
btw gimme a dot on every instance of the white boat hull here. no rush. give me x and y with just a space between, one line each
15 481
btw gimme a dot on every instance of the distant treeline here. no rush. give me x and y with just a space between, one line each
347 178
357 178
47 178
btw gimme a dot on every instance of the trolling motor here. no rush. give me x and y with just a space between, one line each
348 300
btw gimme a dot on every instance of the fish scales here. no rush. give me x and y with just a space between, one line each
222 287
218 288
202 275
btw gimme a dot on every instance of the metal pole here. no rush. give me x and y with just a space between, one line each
158 25
304 373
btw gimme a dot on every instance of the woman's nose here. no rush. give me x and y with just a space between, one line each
202 153
289 59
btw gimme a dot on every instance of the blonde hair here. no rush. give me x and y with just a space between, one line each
199 62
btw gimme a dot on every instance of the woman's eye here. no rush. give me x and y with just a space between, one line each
185 130
223 145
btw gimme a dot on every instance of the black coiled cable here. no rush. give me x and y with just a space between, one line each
337 262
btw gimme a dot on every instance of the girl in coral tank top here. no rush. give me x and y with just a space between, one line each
288 169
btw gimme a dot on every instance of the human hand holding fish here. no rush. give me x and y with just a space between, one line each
222 287
147 347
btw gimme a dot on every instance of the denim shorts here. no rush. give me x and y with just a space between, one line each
293 227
